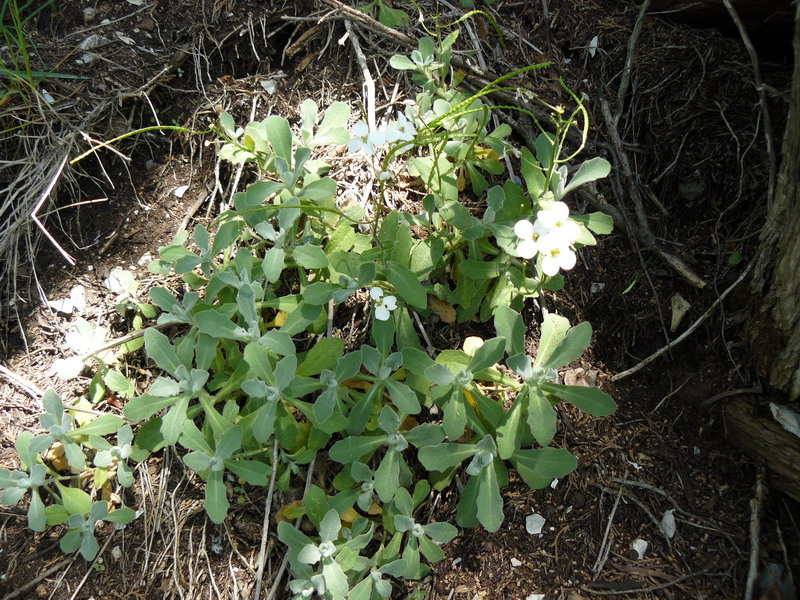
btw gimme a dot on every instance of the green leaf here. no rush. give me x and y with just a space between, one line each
37 517
117 382
351 449
342 239
278 341
319 190
554 327
121 515
402 63
216 324
301 317
490 352
316 503
454 419
257 359
216 500
329 526
541 416
489 501
575 341
76 501
545 150
407 285
508 324
538 467
476 269
403 397
310 257
332 129
229 442
509 432
387 476
440 533
735 258
439 374
273 264
280 136
197 461
323 355
172 422
143 407
425 434
160 350
226 236
591 170
415 360
335 579
431 551
102 425
445 456
598 222
392 17
588 399
320 292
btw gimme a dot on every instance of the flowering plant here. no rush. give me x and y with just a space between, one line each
258 381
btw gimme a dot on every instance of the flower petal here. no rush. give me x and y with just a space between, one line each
567 259
376 293
361 129
390 302
550 265
527 249
523 229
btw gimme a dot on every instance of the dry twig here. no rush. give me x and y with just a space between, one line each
691 329
755 528
762 99
265 529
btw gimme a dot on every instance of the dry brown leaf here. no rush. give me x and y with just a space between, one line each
443 310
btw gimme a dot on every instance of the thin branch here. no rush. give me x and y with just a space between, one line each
688 331
369 82
626 74
265 529
755 532
762 99
44 575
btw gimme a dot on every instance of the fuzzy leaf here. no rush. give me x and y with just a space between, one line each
588 399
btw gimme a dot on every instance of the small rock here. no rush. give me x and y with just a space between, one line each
89 14
534 523
668 523
638 548
577 499
147 24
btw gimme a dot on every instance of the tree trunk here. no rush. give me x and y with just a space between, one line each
774 330
749 425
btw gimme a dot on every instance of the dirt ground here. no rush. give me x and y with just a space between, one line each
692 127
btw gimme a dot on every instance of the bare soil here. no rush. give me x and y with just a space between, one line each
691 124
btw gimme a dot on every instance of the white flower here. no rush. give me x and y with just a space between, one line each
383 304
554 221
556 255
525 231
364 139
401 130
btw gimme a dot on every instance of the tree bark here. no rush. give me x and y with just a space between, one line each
774 329
750 426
